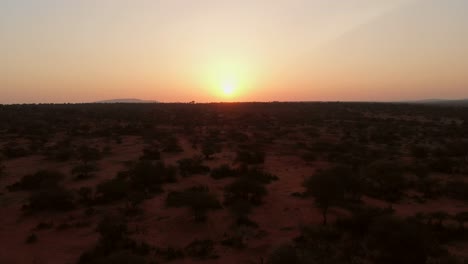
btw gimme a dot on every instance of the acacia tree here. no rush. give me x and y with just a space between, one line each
327 189
384 179
198 199
2 170
210 148
461 218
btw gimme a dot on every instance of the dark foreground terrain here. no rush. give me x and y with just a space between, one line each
234 183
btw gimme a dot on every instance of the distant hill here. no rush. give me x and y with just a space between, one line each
126 101
445 102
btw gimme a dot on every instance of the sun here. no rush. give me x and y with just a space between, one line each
225 79
228 88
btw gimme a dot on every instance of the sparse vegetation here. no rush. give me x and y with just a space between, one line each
260 171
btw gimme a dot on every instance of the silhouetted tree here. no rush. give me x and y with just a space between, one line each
201 249
461 218
244 189
39 180
327 189
283 255
209 148
112 190
151 153
54 198
223 171
87 154
385 179
84 170
198 199
395 241
440 216
190 166
170 144
2 170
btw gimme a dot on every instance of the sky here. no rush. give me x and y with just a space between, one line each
55 51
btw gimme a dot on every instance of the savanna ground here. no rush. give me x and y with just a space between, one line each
233 183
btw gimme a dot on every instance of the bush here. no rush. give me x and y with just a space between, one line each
151 153
32 238
284 254
190 166
84 171
121 257
114 189
256 174
88 154
85 195
385 180
419 151
52 199
327 188
395 241
223 171
2 170
39 180
201 249
114 245
210 148
171 145
170 253
244 189
250 156
198 199
457 190
148 176
13 150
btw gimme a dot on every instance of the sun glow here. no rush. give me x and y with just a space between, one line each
227 78
228 88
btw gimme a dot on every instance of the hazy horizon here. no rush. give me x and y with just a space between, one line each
211 51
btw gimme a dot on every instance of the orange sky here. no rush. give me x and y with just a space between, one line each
219 50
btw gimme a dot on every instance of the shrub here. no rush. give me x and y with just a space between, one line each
171 145
190 166
198 199
327 189
151 153
250 156
395 241
149 176
121 257
39 180
32 238
84 171
2 170
13 150
88 154
419 151
52 199
223 171
114 245
210 148
112 190
385 180
85 194
170 253
201 249
244 189
256 174
457 190
284 254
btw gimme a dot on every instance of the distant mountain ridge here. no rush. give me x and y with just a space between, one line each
126 101
447 102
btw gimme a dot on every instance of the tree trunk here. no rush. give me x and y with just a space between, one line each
324 214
